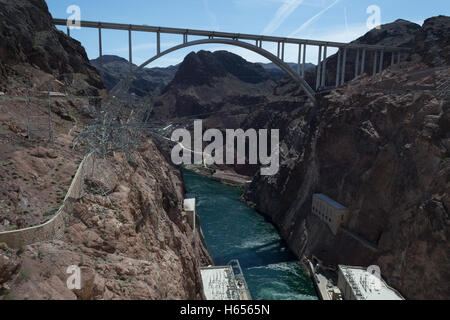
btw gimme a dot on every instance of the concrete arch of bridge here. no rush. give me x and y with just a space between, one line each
266 54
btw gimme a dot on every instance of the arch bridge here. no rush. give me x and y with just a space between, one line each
242 40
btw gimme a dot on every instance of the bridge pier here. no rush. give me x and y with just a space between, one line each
374 72
100 51
338 67
318 69
357 63
363 61
282 51
158 42
304 61
381 61
130 50
324 67
344 62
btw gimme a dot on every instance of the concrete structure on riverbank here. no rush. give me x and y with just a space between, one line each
225 282
329 211
358 283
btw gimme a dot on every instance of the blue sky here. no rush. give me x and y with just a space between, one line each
333 20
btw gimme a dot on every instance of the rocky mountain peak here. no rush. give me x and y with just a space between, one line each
203 67
433 41
27 35
400 33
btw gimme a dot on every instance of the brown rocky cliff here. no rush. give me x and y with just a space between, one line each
128 234
379 146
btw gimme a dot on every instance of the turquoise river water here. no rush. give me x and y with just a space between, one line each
233 230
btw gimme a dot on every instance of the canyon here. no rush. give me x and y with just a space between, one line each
378 145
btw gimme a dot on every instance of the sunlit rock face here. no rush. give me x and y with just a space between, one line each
379 146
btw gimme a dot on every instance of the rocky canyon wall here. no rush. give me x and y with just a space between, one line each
379 146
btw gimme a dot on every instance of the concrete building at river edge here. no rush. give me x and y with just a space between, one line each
219 282
329 211
358 283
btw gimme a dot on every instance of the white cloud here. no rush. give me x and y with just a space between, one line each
282 14
312 19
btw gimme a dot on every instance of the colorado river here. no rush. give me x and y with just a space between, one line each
233 230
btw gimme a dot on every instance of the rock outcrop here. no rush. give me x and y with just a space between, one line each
433 41
146 82
28 36
128 235
209 82
380 146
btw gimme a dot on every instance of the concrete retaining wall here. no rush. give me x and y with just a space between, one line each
54 228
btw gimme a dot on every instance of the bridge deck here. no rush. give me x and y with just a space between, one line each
228 35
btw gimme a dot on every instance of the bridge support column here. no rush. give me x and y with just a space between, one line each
338 67
158 42
130 49
324 67
344 62
319 64
304 61
185 38
357 63
282 51
381 61
363 61
68 31
278 51
299 59
374 72
100 51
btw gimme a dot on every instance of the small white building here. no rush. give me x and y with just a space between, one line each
189 204
189 208
357 283
329 211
